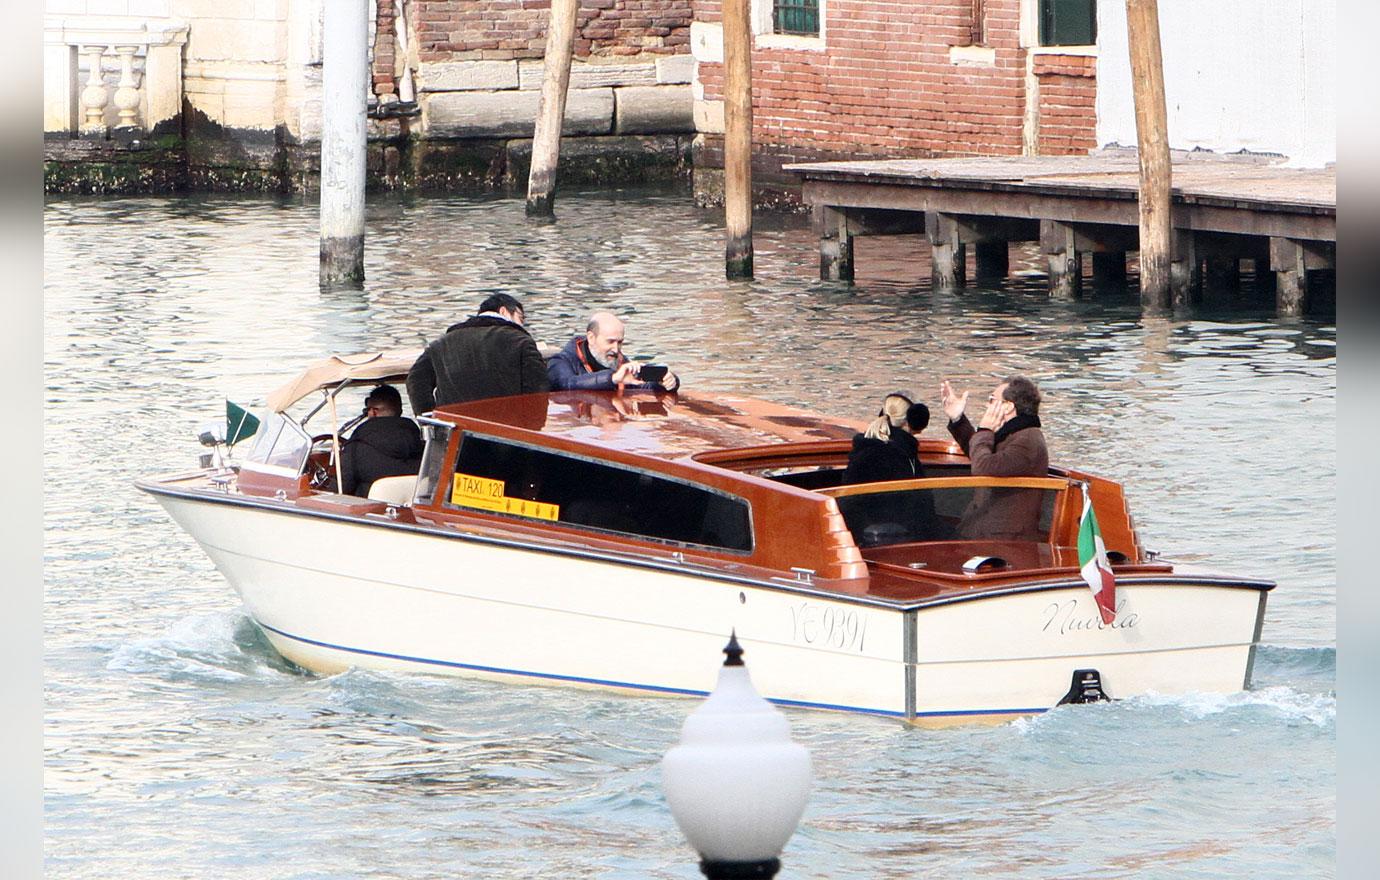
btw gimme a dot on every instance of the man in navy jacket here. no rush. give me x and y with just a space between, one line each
596 360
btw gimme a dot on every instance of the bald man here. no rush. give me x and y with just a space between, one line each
596 360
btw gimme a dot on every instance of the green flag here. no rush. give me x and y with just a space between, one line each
239 423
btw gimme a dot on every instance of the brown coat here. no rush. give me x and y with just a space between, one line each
1008 514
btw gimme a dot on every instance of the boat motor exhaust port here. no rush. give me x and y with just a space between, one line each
1086 688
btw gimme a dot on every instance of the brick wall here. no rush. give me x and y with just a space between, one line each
464 30
1068 103
889 82
385 48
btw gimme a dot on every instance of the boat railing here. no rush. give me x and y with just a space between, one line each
1054 483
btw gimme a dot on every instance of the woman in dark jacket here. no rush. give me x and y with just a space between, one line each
888 450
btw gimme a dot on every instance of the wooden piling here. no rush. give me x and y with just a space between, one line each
344 87
948 254
835 245
1185 270
737 138
555 84
1289 262
1152 142
1059 244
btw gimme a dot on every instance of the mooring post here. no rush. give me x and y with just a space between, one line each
948 254
1109 270
344 97
555 84
992 259
737 139
1185 270
1152 144
1059 244
1289 262
835 244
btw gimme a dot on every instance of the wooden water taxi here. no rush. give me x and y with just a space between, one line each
615 540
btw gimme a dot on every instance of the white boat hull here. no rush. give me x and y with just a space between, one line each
331 593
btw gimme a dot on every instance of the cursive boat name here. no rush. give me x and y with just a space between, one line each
842 629
1065 617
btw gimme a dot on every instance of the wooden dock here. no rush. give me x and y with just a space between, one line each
1225 210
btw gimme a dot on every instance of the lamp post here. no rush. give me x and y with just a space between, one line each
736 783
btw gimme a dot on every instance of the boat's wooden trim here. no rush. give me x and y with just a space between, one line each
706 569
1054 483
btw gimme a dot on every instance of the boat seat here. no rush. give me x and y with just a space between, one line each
394 490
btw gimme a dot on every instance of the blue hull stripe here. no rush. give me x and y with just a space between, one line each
652 688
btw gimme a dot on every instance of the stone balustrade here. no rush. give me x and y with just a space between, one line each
145 58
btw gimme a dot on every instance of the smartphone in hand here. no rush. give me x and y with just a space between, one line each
652 373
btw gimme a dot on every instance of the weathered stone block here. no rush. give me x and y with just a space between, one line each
709 117
592 76
675 69
654 110
513 113
608 160
460 76
707 42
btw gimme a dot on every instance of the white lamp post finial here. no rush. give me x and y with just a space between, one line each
736 783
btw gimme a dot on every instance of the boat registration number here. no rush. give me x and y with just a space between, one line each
482 493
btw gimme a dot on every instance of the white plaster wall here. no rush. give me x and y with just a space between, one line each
1255 75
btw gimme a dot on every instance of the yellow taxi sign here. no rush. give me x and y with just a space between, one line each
482 493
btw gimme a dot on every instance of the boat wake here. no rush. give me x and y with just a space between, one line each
223 646
1276 703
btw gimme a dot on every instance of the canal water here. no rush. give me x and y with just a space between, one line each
179 745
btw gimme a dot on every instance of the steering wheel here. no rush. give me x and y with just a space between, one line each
318 468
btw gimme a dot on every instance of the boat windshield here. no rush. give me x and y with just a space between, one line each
281 446
949 509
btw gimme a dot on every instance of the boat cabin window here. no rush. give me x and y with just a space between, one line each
962 513
437 438
504 477
281 446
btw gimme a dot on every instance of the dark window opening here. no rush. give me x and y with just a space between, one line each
795 17
597 495
1068 22
956 514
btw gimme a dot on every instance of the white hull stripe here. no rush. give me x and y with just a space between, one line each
652 688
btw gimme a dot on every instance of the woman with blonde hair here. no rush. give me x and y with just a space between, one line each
888 450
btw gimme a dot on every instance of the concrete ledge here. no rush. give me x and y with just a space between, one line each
654 110
461 76
512 113
591 76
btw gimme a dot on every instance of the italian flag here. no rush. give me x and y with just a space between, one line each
1092 559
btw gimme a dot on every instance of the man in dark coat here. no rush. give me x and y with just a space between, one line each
490 355
384 445
596 361
1008 442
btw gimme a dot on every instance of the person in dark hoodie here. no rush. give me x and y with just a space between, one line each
383 445
490 355
596 361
